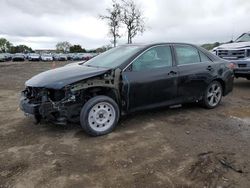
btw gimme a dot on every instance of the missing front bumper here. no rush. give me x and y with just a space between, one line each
45 111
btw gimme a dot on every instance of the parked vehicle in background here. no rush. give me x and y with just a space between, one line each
62 57
126 79
76 57
55 57
34 57
46 57
8 56
83 56
70 56
237 52
5 57
88 56
18 57
2 57
26 56
80 56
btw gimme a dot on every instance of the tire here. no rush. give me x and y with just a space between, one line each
99 116
213 95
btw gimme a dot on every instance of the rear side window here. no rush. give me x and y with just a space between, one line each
186 54
204 58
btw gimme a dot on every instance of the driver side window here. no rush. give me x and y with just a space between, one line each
156 57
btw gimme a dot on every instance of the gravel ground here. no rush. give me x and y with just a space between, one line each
180 147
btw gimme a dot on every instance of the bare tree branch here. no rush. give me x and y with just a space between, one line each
113 18
133 19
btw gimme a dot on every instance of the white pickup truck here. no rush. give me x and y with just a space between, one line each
239 53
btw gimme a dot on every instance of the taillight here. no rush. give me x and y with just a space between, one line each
232 66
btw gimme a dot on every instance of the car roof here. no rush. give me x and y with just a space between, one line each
148 45
158 43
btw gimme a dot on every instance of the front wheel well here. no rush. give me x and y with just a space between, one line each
110 92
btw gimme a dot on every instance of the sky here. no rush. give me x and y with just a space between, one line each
40 24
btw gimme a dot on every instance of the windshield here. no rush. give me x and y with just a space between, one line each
114 57
244 38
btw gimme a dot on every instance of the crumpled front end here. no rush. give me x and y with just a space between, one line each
49 104
65 104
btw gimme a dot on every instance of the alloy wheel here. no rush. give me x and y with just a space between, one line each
214 94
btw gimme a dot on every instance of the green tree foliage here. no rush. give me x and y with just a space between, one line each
5 45
76 49
100 49
211 46
20 49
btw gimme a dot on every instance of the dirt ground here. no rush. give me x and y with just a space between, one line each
179 147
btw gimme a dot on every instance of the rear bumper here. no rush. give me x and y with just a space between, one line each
229 82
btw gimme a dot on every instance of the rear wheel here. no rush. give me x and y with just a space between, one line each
213 95
99 115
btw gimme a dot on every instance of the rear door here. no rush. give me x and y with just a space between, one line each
196 71
151 79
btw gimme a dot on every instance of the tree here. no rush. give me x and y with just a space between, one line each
133 19
210 46
5 45
103 49
113 18
20 49
63 46
76 49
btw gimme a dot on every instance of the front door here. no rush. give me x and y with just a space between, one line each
151 79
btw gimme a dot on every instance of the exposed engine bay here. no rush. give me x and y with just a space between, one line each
62 105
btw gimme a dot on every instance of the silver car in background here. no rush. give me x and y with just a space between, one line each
34 57
46 57
18 57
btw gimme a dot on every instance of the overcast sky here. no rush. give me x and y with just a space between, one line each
40 24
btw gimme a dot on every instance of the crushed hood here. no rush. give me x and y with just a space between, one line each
60 77
234 45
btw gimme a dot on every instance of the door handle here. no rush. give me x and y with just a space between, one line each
210 68
172 73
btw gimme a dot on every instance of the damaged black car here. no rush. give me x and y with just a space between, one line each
126 79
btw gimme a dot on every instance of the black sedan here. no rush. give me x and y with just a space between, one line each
127 79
